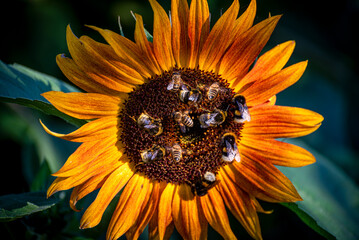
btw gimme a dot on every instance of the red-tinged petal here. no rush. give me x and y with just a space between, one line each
129 205
268 64
80 78
218 40
180 40
110 61
92 131
162 45
262 180
215 212
95 67
165 210
260 91
245 21
144 44
276 152
127 51
84 105
187 215
239 203
115 182
281 122
198 29
147 211
240 56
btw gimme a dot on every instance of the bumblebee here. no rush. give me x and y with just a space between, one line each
183 120
152 125
202 185
152 154
193 96
176 81
229 148
212 119
241 113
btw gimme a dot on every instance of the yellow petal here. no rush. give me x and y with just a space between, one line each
92 131
84 105
218 40
278 122
129 205
162 45
114 183
215 212
245 21
165 210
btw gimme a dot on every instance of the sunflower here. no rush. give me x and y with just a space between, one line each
185 125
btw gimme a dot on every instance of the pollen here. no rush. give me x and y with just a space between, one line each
180 139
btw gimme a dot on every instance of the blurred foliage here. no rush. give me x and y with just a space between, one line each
34 33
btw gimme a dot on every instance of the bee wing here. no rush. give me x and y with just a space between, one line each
212 120
154 155
183 128
245 114
237 157
170 85
150 126
232 152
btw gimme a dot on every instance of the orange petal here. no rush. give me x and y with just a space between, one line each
144 44
239 203
261 91
115 182
218 40
162 45
80 78
240 56
268 64
83 155
276 152
215 212
262 180
148 209
94 65
165 210
103 162
129 206
278 122
198 28
127 51
84 105
180 40
92 131
189 220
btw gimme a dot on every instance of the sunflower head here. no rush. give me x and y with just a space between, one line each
185 125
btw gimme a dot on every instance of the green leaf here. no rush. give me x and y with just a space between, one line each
15 206
330 198
24 86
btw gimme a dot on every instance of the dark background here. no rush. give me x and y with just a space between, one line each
33 33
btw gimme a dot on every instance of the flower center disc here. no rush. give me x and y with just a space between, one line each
201 147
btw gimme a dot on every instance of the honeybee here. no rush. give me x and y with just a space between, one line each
241 113
152 125
152 154
212 119
176 151
202 185
176 81
183 120
193 96
230 150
